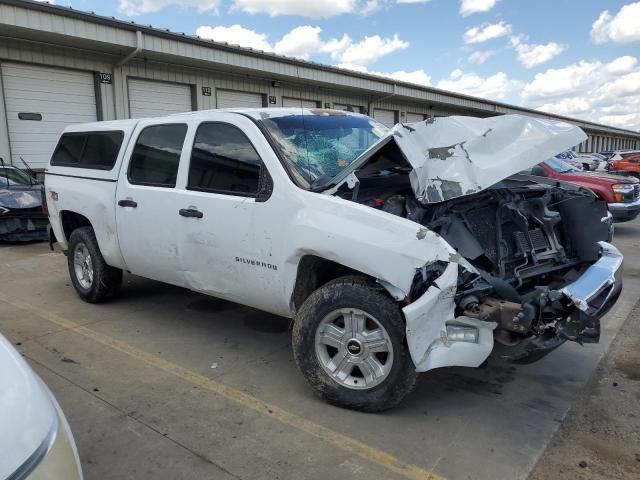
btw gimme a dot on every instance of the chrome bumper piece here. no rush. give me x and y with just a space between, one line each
600 285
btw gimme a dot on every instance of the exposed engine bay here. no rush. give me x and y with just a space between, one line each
526 240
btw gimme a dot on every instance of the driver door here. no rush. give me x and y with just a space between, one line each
229 234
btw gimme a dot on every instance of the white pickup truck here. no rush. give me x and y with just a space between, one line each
395 251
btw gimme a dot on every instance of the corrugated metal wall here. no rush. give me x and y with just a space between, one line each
113 98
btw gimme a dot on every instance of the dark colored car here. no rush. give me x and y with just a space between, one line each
622 194
22 213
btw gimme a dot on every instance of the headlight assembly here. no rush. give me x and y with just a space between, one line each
623 192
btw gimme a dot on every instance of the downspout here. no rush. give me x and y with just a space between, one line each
120 82
135 52
395 88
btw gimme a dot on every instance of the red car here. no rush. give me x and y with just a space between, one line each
628 164
622 194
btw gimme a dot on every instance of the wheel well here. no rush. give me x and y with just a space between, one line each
313 272
72 220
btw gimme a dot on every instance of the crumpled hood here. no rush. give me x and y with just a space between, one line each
456 156
15 198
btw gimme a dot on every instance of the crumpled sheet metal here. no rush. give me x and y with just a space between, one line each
353 235
456 156
426 329
596 278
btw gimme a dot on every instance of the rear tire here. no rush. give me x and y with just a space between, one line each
92 278
349 343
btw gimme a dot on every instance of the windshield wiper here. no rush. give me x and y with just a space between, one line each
30 173
321 182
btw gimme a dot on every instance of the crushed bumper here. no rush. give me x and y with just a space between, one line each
592 294
598 288
589 297
22 229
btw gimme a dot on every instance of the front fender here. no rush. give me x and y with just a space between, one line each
379 244
391 249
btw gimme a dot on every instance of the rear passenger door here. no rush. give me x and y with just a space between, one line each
146 202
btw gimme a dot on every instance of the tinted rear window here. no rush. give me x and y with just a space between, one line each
97 150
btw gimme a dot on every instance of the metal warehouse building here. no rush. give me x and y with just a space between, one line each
60 66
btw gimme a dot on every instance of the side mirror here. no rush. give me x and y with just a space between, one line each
539 171
265 187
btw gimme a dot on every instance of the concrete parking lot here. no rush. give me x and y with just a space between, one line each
163 383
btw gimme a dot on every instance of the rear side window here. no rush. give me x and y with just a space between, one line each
97 150
156 156
224 160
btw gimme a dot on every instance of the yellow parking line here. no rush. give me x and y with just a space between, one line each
344 442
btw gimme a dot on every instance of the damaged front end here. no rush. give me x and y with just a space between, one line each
544 274
533 266
22 217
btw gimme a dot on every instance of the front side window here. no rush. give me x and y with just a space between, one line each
95 150
318 147
156 156
224 160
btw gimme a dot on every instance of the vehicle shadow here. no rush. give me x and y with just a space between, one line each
626 230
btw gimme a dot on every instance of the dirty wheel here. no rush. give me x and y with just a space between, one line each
92 278
348 341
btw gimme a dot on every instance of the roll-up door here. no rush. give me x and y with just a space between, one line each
151 98
385 117
236 99
298 102
414 117
40 103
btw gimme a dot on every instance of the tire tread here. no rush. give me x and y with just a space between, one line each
106 279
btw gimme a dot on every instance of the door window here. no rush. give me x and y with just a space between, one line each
223 160
156 156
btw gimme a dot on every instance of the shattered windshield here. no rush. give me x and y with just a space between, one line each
13 176
319 146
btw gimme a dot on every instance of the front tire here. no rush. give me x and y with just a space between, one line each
349 343
92 278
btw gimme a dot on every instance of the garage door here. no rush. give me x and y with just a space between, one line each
297 103
40 103
414 117
235 99
150 98
385 117
348 108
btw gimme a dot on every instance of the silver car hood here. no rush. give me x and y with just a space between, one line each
18 198
27 415
456 156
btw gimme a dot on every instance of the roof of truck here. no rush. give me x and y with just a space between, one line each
99 126
256 113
